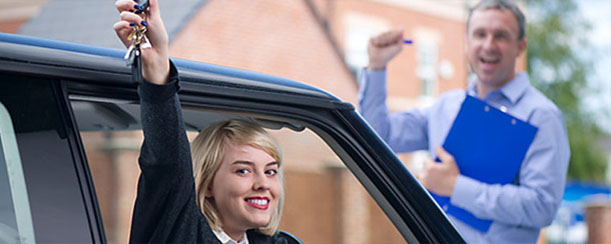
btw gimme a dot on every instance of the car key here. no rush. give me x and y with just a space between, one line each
144 4
137 40
133 58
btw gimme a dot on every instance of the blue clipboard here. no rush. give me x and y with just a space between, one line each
488 145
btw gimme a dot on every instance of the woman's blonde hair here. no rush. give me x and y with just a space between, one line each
208 149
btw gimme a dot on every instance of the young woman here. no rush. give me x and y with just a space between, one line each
236 195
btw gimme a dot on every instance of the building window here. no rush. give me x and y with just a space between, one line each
358 29
427 58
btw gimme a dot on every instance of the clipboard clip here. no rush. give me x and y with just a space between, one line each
487 109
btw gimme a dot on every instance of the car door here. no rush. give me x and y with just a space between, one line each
212 93
86 109
47 196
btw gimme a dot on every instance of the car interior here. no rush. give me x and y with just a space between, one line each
113 115
313 171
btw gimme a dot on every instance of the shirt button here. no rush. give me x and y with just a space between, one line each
445 207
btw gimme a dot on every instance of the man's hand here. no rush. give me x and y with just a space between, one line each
384 47
440 178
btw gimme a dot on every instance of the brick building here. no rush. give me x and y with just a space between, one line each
319 42
323 43
13 14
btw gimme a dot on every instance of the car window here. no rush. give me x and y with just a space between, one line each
56 201
325 203
15 217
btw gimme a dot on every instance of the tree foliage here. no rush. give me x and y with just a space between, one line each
555 39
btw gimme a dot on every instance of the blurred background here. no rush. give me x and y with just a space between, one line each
323 43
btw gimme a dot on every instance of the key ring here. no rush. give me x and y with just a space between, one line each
144 41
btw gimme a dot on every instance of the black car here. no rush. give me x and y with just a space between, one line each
52 92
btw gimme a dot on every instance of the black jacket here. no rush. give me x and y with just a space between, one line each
165 210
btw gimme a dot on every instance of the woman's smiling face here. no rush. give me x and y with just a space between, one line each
246 188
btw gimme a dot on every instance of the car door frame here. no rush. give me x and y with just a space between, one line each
97 72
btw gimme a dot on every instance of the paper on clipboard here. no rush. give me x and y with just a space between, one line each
488 145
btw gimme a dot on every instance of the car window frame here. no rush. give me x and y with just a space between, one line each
17 185
74 150
97 72
325 123
81 164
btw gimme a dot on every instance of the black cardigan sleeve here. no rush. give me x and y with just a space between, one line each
165 210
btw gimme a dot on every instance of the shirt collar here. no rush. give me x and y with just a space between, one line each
225 239
513 90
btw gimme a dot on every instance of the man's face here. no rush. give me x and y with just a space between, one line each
493 46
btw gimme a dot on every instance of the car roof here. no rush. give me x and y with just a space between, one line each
51 57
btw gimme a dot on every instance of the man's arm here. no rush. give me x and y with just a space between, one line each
535 200
404 131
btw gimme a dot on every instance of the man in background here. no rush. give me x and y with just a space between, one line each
495 39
